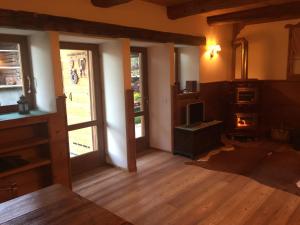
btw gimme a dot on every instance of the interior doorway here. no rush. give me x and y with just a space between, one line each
139 84
82 85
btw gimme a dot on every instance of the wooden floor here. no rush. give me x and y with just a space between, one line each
165 191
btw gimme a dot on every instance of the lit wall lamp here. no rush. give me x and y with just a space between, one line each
214 49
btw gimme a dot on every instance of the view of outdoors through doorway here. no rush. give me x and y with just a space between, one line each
78 83
139 86
136 85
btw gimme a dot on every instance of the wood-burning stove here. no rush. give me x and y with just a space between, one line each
246 95
244 110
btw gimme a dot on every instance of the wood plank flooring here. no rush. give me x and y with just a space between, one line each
165 191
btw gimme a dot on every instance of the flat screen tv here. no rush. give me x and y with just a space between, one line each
194 114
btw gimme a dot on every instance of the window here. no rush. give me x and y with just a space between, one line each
294 52
15 76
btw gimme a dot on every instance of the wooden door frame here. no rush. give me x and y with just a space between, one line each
143 142
96 158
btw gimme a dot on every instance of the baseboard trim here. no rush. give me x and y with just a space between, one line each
159 149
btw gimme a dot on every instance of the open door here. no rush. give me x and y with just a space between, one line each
82 86
139 84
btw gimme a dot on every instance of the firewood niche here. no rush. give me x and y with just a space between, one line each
33 152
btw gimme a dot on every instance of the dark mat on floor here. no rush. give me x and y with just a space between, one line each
272 164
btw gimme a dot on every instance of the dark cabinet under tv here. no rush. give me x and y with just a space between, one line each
193 141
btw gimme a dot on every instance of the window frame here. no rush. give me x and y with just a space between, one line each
290 63
26 67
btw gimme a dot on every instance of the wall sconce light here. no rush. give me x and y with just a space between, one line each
214 49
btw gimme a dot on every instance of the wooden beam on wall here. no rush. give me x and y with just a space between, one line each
36 21
194 7
259 15
108 3
130 134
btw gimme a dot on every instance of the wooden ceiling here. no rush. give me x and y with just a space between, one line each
224 11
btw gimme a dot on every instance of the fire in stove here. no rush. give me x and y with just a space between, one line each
246 120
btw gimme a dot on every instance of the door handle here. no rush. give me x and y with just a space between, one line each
29 85
146 101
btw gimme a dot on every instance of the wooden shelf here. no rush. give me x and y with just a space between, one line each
188 93
28 143
10 86
9 67
4 50
11 120
22 169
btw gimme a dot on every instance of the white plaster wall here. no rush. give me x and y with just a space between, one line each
115 55
268 49
189 64
42 65
161 76
218 68
139 13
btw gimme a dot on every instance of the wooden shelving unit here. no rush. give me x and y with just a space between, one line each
23 144
33 152
22 169
25 152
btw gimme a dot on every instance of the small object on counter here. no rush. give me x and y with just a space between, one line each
191 85
23 105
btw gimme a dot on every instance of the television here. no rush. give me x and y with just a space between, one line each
194 114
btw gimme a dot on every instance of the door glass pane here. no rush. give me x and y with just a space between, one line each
11 82
78 79
139 122
82 141
136 81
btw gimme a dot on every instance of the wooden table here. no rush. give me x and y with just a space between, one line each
55 205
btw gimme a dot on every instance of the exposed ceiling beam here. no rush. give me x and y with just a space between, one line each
108 3
36 21
259 15
194 7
